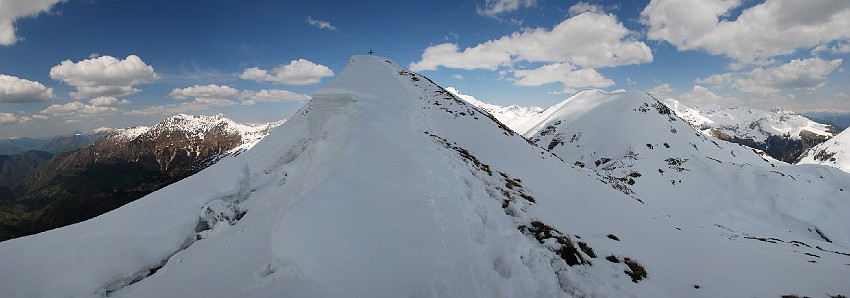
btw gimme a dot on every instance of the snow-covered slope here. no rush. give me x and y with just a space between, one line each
513 116
642 148
835 152
386 185
771 131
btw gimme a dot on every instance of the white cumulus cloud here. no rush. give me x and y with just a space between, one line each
76 109
765 30
564 73
210 96
297 72
661 91
205 92
197 104
798 74
11 10
571 51
14 89
8 118
840 48
273 95
700 95
108 101
588 40
104 75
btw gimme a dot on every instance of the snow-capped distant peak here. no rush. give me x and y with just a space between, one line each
781 133
747 123
129 133
513 116
197 127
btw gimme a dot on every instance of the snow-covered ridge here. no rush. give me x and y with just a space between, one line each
834 152
747 123
128 133
535 122
513 116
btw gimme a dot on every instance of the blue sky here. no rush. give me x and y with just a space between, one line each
81 65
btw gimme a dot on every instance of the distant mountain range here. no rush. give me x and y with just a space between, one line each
512 116
40 190
53 145
839 120
782 134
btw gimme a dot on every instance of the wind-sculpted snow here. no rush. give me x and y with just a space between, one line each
387 185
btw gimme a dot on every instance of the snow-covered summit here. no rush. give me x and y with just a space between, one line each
127 133
387 185
834 152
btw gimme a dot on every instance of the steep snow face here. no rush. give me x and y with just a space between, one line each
386 185
640 147
835 152
513 116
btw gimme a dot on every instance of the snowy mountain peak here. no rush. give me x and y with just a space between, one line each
127 134
194 123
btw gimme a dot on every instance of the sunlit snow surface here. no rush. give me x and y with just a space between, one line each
385 185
